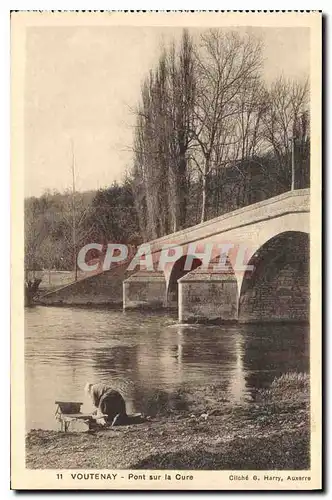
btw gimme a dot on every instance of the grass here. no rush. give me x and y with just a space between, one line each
290 388
287 451
193 430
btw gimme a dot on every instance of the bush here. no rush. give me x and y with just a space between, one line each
294 387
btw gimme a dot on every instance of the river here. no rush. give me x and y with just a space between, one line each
141 353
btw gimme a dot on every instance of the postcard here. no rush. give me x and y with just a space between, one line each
166 250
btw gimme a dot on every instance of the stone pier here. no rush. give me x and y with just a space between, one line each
207 296
144 289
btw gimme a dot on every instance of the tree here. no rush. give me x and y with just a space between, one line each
227 64
287 108
48 229
162 140
36 227
302 150
182 103
73 228
112 217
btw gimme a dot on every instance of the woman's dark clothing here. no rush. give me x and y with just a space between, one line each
109 402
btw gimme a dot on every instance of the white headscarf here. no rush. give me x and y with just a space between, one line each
87 388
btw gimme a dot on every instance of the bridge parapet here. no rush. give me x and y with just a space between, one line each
289 202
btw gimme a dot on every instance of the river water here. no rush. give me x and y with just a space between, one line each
141 353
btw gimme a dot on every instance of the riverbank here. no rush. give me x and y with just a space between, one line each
193 430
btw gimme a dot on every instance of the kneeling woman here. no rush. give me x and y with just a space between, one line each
108 402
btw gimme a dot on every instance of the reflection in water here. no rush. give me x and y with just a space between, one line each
147 356
237 385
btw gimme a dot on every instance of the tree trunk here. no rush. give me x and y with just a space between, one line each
204 198
182 192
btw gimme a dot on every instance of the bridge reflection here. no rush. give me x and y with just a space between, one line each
240 358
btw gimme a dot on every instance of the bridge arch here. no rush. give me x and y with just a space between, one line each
178 270
278 286
264 231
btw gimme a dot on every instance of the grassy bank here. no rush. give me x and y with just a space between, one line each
193 430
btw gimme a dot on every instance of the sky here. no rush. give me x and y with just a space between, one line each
82 83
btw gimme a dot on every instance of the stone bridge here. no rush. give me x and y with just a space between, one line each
271 237
251 264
